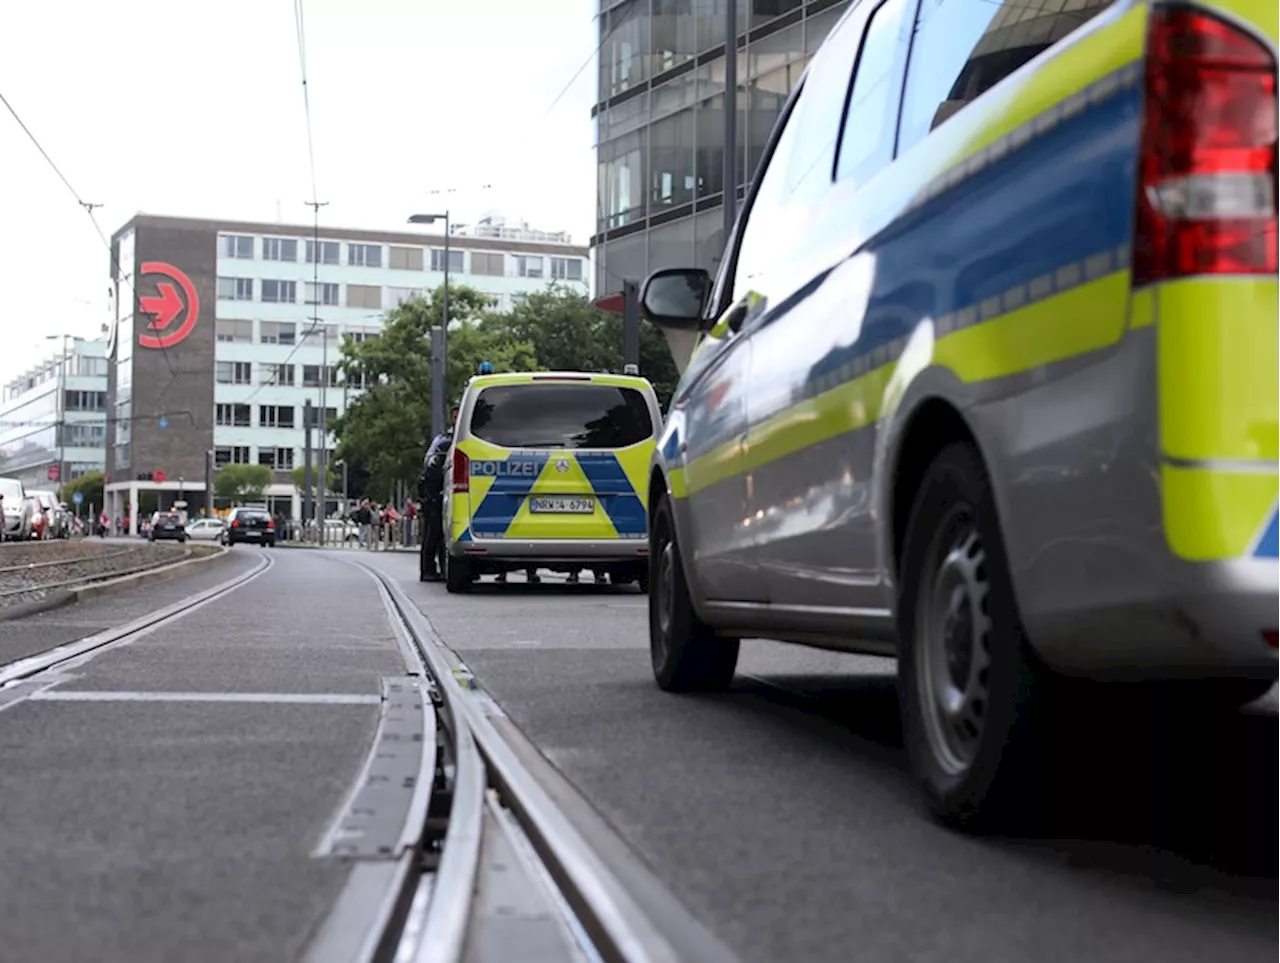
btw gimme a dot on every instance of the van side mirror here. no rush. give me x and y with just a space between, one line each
675 297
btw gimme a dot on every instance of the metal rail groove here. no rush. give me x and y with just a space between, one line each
74 560
440 905
90 579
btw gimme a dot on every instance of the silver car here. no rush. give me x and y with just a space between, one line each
929 417
17 513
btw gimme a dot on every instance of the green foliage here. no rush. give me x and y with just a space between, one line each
89 485
242 483
386 429
299 478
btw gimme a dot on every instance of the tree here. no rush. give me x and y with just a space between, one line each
386 428
242 483
299 478
90 485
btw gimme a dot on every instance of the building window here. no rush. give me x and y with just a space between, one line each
230 455
238 246
86 435
232 416
528 266
364 255
277 332
280 292
233 332
233 372
360 335
397 296
235 289
316 333
279 249
488 264
455 261
281 459
364 296
312 373
566 268
325 293
329 252
280 375
84 400
405 258
275 416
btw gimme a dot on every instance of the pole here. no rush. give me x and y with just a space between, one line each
322 460
630 323
307 416
61 418
208 483
730 117
440 346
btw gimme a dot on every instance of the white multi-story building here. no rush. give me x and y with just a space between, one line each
53 417
272 307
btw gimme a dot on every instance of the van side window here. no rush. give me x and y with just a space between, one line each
963 48
866 144
799 172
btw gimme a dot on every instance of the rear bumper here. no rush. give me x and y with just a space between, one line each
554 550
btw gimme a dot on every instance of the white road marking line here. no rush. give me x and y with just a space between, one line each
296 698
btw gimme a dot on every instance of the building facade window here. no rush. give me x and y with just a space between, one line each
280 249
281 459
529 265
398 296
364 296
275 416
239 246
326 292
280 292
225 455
75 400
456 260
329 252
364 255
233 372
566 268
277 332
232 416
233 332
404 258
280 375
235 289
489 264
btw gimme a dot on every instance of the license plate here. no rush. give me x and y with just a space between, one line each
563 505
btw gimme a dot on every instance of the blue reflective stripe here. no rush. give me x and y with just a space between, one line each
617 494
1268 546
498 509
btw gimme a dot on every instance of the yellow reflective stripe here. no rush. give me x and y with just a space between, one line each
1214 515
1262 14
676 479
1218 343
1082 319
635 463
527 525
1142 309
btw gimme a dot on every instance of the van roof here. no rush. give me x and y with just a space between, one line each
533 377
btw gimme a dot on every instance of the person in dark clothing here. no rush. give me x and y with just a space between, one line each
431 491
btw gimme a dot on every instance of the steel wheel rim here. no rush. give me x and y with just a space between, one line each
952 645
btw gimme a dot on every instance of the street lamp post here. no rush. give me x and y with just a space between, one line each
439 344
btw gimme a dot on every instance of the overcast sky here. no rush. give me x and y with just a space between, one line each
195 108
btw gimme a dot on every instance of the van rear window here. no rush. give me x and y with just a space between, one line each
549 415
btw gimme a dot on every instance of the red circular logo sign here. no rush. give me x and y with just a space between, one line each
166 306
158 476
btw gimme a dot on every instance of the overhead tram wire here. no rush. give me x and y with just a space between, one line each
88 207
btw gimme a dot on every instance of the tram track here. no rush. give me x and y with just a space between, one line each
488 814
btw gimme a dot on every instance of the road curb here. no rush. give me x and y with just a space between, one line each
59 599
161 573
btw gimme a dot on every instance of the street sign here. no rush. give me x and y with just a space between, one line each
55 472
167 305
78 497
158 476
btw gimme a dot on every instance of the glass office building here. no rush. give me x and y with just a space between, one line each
659 121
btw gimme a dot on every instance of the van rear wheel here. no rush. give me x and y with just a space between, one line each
458 576
973 694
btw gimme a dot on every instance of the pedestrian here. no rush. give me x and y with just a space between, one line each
431 560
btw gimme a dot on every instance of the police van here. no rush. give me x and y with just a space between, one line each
549 470
988 380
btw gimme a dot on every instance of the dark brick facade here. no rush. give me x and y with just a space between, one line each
173 384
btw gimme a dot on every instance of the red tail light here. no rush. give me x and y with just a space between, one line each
461 471
1207 175
235 523
270 525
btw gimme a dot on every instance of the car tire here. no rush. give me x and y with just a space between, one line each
686 653
458 577
980 760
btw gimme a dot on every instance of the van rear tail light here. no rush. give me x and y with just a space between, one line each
1207 171
461 471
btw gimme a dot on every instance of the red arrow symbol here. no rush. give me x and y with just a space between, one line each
165 307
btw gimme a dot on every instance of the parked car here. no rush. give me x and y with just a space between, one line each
57 520
38 524
206 529
15 512
247 524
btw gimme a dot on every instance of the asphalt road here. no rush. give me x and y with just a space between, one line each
782 816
